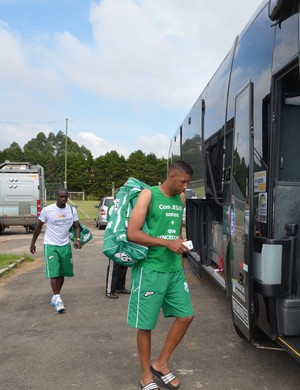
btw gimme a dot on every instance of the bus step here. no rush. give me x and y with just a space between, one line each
291 345
217 276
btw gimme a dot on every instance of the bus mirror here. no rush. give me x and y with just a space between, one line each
282 9
275 9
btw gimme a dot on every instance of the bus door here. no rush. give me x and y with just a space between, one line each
284 217
238 211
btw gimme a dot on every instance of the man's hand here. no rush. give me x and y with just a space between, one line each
177 246
32 248
77 244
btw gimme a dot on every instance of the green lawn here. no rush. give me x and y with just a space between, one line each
86 210
6 259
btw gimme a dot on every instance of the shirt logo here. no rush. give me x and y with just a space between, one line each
124 257
148 293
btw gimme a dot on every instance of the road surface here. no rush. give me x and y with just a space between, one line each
91 347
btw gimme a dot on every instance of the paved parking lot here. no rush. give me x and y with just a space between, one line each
91 347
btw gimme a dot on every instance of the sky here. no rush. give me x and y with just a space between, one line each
113 74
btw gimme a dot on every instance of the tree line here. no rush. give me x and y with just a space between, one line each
94 176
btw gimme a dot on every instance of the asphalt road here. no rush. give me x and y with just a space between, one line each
91 347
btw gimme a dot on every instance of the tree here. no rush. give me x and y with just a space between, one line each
13 153
97 178
109 170
137 165
40 150
147 168
156 169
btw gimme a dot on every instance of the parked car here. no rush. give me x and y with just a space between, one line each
101 218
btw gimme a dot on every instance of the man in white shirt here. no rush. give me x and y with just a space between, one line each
59 217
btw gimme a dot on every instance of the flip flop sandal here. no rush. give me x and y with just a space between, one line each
150 386
167 378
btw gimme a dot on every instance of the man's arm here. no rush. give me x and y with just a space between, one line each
183 199
136 222
77 233
36 233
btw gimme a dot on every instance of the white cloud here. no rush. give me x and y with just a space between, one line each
157 144
100 146
145 52
161 51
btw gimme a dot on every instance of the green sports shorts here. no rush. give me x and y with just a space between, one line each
152 291
58 260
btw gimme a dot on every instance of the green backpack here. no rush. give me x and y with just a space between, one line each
115 245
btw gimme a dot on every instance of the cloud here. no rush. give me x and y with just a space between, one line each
100 146
143 53
157 144
162 51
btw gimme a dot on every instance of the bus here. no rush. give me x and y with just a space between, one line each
242 139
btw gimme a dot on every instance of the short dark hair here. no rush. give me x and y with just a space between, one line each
182 166
61 189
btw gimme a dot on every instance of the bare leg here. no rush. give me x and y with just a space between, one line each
175 335
144 350
56 284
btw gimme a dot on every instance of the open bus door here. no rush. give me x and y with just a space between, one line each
283 214
264 219
240 208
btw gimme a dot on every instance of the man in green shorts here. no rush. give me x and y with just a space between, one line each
159 281
59 217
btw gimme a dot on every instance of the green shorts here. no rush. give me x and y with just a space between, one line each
152 291
58 260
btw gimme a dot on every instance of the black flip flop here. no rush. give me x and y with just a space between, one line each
150 386
167 378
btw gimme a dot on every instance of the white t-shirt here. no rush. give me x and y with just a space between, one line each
58 222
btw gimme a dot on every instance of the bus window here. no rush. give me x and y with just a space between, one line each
240 183
192 147
175 148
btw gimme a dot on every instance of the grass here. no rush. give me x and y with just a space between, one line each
86 209
6 259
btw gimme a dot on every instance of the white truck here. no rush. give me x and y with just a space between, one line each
22 194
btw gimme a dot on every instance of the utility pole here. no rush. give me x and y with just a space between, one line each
66 154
